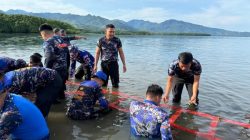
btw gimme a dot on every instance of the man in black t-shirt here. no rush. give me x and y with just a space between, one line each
109 46
185 70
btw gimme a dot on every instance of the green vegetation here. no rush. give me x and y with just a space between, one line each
118 32
124 32
29 24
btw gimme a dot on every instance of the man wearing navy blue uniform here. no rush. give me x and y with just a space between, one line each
67 39
20 119
184 71
109 46
147 118
46 83
55 56
86 60
61 33
82 106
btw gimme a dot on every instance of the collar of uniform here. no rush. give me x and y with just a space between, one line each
150 102
105 38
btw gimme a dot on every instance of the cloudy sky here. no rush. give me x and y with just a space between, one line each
226 14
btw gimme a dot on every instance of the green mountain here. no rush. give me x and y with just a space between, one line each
84 22
175 26
92 23
28 24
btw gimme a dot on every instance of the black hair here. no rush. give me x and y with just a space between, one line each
35 59
110 26
154 90
20 63
185 57
56 30
45 26
38 54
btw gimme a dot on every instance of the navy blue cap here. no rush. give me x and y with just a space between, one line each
45 27
101 75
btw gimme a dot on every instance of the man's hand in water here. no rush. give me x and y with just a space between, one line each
193 100
165 98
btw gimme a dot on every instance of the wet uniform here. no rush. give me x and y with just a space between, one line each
181 78
56 58
83 108
109 57
8 64
42 81
149 120
20 119
87 63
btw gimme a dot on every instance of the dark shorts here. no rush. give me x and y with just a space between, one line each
111 68
178 84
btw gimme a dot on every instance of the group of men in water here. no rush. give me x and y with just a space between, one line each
21 119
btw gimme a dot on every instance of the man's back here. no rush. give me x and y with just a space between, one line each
149 120
55 56
81 109
22 120
30 79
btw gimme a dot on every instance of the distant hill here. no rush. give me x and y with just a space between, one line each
96 23
175 26
28 24
88 21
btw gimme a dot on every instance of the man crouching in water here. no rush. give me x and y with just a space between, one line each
147 118
19 118
82 106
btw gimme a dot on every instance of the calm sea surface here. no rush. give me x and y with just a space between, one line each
224 86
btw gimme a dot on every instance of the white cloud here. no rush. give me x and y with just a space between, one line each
55 6
225 14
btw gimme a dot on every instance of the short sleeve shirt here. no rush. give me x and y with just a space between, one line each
109 48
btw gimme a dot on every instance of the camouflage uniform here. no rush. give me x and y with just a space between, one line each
149 120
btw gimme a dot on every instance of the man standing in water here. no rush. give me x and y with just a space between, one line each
109 46
185 70
55 57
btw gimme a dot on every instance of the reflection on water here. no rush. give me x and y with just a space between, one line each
224 88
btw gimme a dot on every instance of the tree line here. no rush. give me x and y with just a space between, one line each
29 24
